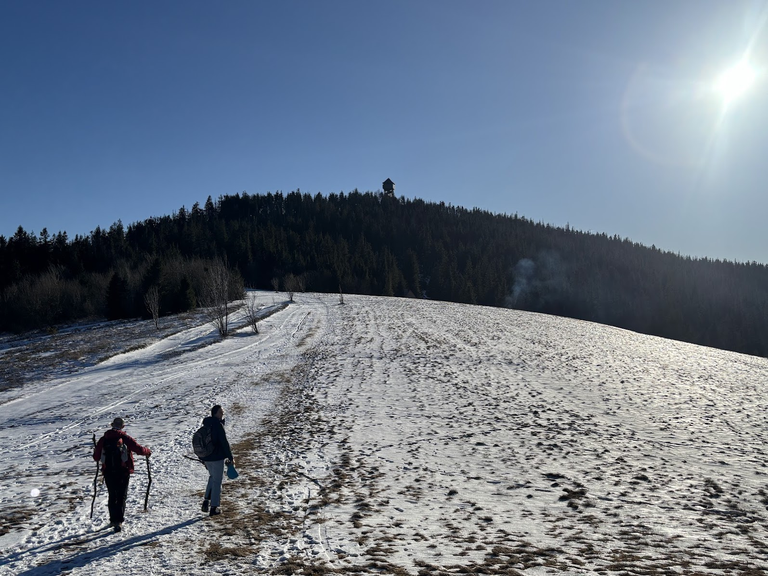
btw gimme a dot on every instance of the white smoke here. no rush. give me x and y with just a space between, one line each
525 270
547 277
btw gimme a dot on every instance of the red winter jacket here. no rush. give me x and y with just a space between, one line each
129 442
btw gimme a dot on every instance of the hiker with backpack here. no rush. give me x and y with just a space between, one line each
115 452
211 446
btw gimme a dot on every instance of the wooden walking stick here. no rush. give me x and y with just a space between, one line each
149 483
95 478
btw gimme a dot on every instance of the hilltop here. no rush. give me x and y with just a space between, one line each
376 244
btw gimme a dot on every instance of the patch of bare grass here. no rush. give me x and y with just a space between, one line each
310 333
216 551
15 518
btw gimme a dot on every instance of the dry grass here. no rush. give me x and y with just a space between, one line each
237 409
216 551
306 337
15 518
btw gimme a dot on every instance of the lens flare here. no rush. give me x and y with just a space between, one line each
34 493
735 81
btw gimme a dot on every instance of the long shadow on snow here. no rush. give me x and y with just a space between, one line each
137 363
85 557
210 338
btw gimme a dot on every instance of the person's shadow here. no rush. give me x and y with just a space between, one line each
83 558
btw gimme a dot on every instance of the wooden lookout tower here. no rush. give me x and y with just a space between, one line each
389 187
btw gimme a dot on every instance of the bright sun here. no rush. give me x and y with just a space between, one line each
735 81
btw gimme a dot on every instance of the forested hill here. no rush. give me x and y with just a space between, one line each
376 244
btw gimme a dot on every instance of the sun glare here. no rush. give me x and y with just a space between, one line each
735 81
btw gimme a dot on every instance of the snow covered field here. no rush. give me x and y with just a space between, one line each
403 437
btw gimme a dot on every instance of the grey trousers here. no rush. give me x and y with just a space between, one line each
215 477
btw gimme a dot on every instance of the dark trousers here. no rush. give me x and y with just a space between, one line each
117 485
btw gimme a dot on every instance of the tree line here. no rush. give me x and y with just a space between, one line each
372 243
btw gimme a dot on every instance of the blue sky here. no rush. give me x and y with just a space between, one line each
597 114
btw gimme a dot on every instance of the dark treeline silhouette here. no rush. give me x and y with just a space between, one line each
370 243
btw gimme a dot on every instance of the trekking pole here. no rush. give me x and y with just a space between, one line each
149 483
95 478
195 460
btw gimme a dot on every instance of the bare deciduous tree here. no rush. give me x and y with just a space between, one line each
290 284
215 297
251 311
152 302
293 284
276 284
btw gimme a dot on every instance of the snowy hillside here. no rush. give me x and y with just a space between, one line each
403 437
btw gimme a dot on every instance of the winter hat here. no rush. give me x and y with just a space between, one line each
118 423
215 409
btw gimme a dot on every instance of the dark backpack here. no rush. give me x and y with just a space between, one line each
202 442
114 454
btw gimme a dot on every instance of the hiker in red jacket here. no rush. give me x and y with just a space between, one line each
115 451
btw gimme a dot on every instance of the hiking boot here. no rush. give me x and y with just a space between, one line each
118 527
215 511
205 505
